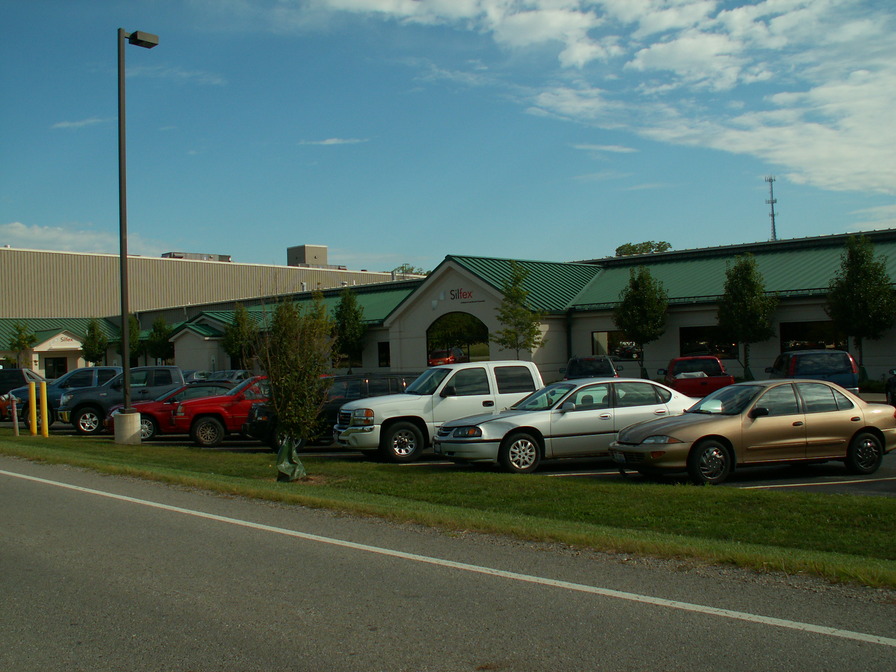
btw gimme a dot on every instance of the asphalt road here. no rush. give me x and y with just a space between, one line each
109 573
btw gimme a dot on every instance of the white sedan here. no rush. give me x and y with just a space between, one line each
574 418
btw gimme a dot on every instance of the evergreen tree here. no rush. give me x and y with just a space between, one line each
521 325
861 300
241 337
21 341
745 312
95 344
350 329
158 345
641 312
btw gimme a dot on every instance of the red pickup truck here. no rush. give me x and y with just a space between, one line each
208 421
696 376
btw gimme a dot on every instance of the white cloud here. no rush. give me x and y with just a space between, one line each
80 124
333 141
72 239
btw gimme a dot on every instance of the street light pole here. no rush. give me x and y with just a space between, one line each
147 41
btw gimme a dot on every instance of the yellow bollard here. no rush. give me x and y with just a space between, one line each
32 408
44 414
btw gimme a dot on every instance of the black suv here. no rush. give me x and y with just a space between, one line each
596 366
262 422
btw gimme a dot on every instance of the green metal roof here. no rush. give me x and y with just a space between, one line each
376 301
551 285
802 267
47 328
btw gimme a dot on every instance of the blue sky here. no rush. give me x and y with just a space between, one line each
400 131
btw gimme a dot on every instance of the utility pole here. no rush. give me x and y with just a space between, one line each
771 201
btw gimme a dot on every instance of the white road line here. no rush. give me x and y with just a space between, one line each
566 585
809 485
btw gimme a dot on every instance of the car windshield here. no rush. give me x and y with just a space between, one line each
167 393
543 399
731 400
428 382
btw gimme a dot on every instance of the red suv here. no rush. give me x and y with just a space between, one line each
696 376
210 420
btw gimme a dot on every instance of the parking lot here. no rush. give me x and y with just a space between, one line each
826 478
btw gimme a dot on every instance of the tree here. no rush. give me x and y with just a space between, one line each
745 311
134 344
409 269
158 345
522 326
296 352
21 341
641 312
240 337
350 329
95 344
647 247
861 300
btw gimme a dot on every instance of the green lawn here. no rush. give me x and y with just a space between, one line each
841 537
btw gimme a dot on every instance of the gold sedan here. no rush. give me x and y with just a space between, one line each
761 422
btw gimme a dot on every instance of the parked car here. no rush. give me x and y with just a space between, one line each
577 418
596 366
262 421
234 375
891 388
761 422
696 376
836 366
208 421
11 379
156 417
449 356
87 407
87 376
401 426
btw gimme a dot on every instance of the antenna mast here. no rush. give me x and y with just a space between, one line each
771 201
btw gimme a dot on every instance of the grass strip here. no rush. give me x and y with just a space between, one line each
839 537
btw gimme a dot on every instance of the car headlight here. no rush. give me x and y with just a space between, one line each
65 398
661 439
362 417
179 410
467 433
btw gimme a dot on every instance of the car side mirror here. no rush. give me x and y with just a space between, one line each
759 412
449 391
117 385
619 367
661 372
567 407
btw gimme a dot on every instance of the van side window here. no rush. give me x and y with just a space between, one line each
514 379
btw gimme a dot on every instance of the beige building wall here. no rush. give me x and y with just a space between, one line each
41 284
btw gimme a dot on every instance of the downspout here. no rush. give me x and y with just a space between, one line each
569 312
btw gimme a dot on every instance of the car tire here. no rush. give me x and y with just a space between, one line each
402 442
207 432
709 463
88 420
26 417
520 453
148 428
865 454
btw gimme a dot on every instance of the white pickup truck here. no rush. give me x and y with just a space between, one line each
400 426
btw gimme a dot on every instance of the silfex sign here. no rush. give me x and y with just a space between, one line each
460 294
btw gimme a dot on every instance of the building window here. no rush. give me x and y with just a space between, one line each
811 335
383 354
612 343
705 341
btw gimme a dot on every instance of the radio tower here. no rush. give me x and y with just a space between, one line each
771 201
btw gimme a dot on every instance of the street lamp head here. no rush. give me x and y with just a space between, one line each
141 39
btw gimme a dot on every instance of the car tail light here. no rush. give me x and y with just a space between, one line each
852 362
791 367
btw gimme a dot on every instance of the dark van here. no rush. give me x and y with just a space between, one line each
836 366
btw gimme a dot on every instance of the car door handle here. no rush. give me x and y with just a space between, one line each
605 416
660 411
856 419
488 403
798 423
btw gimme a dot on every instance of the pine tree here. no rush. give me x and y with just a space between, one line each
95 344
521 325
641 312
